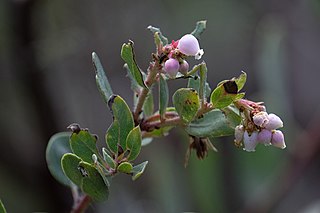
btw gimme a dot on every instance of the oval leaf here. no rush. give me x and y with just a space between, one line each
125 167
134 143
123 115
101 78
224 94
113 136
92 183
186 102
227 91
127 55
138 170
58 145
83 144
214 124
70 166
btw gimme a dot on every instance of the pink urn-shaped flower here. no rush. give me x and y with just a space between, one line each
171 67
189 46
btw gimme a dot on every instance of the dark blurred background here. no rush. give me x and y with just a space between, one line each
47 82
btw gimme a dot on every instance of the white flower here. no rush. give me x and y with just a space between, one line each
278 139
250 141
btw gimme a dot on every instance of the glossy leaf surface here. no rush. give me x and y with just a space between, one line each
134 143
121 113
83 144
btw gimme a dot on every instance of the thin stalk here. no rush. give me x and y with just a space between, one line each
157 116
81 204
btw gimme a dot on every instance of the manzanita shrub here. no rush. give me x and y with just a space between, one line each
203 113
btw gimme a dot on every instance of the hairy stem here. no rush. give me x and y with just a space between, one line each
157 116
152 73
194 70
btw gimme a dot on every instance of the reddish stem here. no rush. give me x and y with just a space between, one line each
81 204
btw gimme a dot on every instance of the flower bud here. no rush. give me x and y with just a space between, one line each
184 67
94 158
260 119
274 122
264 137
238 133
171 67
250 141
278 139
189 46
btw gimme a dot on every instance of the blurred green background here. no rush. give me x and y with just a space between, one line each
47 82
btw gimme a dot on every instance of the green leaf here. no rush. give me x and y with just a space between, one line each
134 143
186 102
148 106
70 166
2 209
83 144
225 93
127 55
123 115
214 124
101 78
138 170
125 167
92 183
163 96
108 158
113 136
157 39
200 27
195 84
58 145
164 40
134 85
241 80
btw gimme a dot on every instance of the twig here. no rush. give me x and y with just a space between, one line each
152 73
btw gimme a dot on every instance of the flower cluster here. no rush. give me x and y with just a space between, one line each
176 52
258 127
